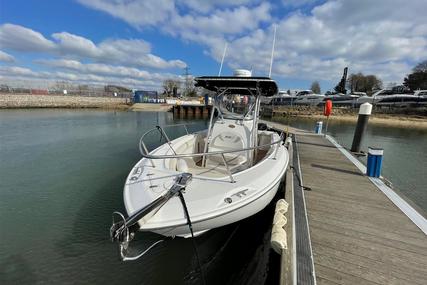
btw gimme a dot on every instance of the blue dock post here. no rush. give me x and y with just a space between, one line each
375 161
319 126
206 100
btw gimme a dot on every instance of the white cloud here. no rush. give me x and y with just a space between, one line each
6 57
15 70
377 40
221 22
205 6
316 44
385 38
134 52
105 69
19 38
69 44
135 12
299 3
13 74
225 18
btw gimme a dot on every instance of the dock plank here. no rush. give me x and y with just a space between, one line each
339 223
413 275
358 235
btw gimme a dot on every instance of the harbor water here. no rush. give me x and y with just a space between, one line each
62 175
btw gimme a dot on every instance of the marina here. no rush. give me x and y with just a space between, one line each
213 142
73 240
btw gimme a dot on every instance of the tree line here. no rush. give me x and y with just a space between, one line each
418 78
358 82
175 88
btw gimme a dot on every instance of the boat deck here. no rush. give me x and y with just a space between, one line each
358 235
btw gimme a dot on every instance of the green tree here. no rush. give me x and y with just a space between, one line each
418 78
364 83
315 87
171 86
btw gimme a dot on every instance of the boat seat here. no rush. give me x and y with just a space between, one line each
227 141
187 165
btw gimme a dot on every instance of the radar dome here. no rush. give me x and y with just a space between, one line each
242 73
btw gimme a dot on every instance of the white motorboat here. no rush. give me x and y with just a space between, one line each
422 97
282 98
221 175
308 97
387 97
342 99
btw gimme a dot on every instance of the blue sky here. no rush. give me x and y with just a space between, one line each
141 43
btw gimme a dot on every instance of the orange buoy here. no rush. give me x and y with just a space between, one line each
328 108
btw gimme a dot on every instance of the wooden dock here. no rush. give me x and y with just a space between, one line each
357 235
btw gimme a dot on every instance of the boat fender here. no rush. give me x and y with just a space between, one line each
278 233
288 141
282 206
278 240
279 220
181 165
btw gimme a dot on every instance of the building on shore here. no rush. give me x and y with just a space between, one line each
144 96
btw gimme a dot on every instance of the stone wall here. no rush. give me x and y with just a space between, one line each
56 101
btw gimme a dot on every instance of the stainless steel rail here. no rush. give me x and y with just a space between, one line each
144 152
166 156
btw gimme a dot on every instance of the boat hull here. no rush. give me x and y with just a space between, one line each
312 100
233 216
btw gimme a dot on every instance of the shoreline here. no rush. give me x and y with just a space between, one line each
411 118
150 107
25 101
379 119
58 107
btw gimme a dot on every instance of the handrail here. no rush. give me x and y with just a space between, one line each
163 133
144 152
167 156
209 132
142 145
176 125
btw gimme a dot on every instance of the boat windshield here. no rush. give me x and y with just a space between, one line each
305 92
235 106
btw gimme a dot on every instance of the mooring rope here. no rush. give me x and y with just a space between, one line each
190 226
299 179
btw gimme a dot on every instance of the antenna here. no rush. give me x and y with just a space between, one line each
272 50
187 80
222 60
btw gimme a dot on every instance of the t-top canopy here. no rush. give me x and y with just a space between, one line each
239 85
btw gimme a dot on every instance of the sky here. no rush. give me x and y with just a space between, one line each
139 44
